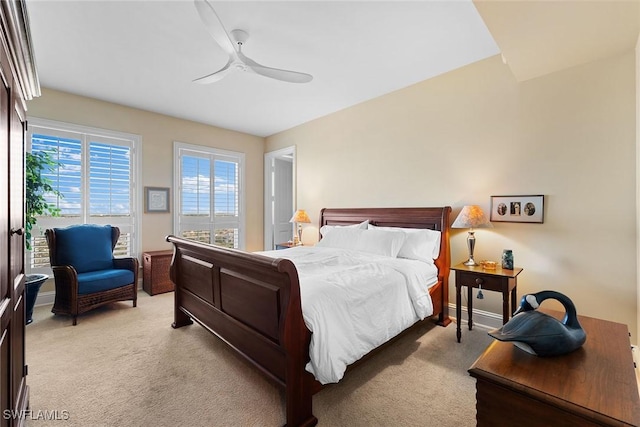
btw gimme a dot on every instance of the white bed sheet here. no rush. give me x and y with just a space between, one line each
353 302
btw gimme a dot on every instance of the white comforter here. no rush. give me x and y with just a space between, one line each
352 302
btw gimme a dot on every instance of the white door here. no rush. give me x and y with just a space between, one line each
279 197
283 200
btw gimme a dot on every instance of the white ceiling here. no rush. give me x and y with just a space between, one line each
145 54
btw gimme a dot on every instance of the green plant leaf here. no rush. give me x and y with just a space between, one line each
37 186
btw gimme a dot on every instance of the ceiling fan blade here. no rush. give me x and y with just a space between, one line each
214 26
284 75
275 73
214 77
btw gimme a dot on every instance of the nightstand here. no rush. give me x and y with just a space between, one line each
498 280
155 272
284 245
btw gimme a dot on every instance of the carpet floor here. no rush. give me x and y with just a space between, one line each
125 366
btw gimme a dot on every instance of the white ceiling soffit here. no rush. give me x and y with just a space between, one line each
541 37
145 54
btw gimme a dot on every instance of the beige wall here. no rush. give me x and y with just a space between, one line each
461 137
452 140
158 133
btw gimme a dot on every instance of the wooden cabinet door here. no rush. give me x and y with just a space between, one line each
6 287
16 254
13 391
19 84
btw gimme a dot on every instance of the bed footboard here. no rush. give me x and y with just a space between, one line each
251 302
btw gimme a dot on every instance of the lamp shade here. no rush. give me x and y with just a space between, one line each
471 216
300 216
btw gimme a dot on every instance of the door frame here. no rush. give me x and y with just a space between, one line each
289 152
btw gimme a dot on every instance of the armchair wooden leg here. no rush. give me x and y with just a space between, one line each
75 320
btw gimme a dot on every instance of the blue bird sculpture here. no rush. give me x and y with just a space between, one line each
540 334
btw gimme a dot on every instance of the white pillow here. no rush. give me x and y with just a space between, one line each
379 242
326 228
421 244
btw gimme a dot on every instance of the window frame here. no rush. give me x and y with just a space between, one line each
239 157
102 136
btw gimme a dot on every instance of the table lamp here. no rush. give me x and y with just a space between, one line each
471 217
298 218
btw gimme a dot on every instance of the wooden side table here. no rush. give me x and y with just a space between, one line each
594 385
287 245
284 245
498 280
155 272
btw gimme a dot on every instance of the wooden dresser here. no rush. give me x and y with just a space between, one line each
155 272
592 386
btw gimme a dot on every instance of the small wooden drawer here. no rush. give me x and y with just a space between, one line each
155 274
491 283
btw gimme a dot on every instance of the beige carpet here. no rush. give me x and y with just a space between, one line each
124 366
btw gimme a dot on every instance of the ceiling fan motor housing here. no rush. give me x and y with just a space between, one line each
239 36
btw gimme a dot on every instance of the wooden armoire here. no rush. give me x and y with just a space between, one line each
19 84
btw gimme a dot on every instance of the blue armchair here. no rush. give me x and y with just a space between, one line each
86 273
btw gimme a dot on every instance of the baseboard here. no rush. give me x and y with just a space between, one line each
45 298
481 319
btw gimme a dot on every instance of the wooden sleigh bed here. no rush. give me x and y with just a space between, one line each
252 302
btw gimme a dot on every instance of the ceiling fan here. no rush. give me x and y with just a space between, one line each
237 60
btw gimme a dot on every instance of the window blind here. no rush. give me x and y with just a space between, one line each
209 195
95 174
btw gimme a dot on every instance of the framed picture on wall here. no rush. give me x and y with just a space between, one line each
517 209
156 199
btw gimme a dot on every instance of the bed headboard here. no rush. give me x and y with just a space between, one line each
432 218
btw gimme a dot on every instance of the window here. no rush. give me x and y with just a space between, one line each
96 175
209 197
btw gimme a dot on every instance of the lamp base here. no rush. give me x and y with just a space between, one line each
471 244
299 235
